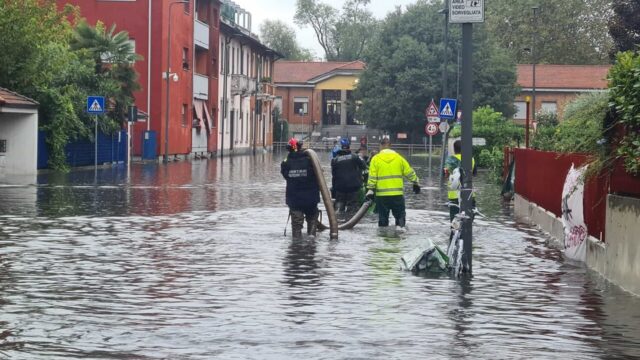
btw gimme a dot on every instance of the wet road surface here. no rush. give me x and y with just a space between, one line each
189 261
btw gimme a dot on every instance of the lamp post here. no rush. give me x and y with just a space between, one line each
445 134
167 76
534 60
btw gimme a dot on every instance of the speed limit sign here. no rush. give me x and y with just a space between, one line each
431 129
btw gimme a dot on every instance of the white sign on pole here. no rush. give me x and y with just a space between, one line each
466 11
444 127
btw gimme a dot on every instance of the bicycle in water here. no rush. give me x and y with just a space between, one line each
455 251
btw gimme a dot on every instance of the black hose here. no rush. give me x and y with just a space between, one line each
354 220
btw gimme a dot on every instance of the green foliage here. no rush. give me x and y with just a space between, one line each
405 64
498 132
562 32
624 85
37 60
492 159
281 37
491 125
343 35
624 26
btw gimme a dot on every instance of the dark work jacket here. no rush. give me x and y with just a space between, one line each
303 191
346 172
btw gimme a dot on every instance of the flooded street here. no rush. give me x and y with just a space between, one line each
189 261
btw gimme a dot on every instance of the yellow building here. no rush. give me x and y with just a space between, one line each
316 97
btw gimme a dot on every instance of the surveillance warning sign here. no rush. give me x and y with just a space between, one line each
466 11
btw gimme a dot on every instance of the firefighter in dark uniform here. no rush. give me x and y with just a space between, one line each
303 192
346 174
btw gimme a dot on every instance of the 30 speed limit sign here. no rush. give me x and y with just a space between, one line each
431 129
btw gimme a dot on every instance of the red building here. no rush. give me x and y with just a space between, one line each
193 84
556 86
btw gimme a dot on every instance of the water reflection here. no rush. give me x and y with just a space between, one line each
188 261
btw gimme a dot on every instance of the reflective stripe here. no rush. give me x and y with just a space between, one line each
387 177
389 190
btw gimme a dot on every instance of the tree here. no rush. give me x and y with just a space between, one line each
564 32
114 57
404 68
344 36
37 60
282 38
624 26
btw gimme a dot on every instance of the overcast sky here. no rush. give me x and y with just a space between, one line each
284 10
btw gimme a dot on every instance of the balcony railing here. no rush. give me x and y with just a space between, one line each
200 86
201 34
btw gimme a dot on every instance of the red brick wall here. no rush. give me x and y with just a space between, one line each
289 93
540 178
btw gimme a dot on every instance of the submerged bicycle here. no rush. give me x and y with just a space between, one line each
455 251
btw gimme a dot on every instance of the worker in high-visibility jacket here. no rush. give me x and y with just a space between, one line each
387 172
452 167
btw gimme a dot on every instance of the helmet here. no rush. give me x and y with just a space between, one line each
300 144
345 143
292 145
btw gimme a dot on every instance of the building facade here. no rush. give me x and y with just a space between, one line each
317 97
185 107
246 87
18 134
556 86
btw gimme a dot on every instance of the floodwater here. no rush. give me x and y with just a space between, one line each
189 261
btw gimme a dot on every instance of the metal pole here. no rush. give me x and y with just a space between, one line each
533 56
526 128
95 160
430 151
445 134
467 135
225 100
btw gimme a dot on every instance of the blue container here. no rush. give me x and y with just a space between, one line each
149 145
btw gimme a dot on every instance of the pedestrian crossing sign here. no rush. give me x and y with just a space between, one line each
95 105
448 108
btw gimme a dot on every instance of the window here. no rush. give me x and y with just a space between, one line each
184 115
301 104
187 6
521 110
185 58
3 146
549 107
331 107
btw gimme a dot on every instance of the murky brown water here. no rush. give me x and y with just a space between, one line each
189 262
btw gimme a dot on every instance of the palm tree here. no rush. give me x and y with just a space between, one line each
114 56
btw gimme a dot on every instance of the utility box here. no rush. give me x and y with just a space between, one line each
149 145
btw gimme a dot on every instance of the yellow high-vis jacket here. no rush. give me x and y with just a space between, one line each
387 171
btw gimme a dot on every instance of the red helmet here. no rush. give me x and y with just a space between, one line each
292 145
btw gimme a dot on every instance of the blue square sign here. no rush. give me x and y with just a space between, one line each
95 105
448 108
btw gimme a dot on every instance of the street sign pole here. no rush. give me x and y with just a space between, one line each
95 160
467 142
430 151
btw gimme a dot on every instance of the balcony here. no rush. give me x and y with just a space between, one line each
200 87
239 84
201 34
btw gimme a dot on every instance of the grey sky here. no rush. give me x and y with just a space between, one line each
285 9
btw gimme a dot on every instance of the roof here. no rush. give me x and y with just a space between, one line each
564 76
9 98
237 31
303 72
